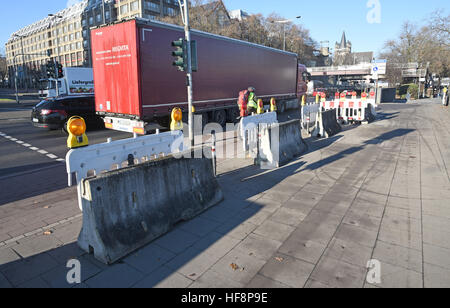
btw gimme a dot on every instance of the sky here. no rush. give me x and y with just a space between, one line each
325 19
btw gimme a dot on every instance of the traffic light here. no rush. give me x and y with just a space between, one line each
180 54
50 70
60 70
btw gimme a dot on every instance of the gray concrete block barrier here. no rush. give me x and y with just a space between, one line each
124 210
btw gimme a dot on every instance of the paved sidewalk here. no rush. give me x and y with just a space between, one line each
378 191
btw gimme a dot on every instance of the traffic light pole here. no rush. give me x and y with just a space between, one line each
56 77
185 14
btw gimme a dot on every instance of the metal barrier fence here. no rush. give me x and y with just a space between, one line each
95 159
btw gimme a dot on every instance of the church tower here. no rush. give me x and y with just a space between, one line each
341 50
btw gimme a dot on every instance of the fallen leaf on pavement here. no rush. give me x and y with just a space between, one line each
48 232
234 266
279 259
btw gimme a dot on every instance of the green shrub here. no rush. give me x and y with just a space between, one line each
410 88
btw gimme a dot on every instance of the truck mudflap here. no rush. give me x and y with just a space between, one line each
125 125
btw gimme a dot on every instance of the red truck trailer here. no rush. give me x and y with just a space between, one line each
136 83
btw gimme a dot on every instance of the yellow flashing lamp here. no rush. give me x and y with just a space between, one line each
76 127
273 105
260 109
177 117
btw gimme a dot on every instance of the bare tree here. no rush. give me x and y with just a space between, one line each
212 16
3 68
429 46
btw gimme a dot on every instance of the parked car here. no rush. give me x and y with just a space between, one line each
54 113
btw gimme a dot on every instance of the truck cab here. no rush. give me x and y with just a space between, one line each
75 81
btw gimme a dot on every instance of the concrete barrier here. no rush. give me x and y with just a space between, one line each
327 124
370 113
126 209
279 143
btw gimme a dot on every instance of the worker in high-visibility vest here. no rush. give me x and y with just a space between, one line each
445 99
252 105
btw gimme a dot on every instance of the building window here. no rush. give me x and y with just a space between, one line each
134 6
107 14
124 9
170 11
71 27
91 20
84 33
152 6
99 17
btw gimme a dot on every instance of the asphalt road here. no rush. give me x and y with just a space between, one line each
32 159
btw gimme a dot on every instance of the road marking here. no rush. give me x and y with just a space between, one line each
29 146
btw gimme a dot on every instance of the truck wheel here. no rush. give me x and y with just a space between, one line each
64 128
282 107
205 119
220 117
164 122
232 115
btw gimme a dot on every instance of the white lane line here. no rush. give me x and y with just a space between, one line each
29 146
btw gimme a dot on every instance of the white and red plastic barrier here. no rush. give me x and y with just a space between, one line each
351 109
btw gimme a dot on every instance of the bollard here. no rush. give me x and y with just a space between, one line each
130 160
213 153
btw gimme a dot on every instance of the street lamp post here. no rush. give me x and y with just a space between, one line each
23 61
184 7
284 22
57 54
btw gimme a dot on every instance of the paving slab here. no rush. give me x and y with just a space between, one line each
399 256
399 277
348 252
288 270
335 273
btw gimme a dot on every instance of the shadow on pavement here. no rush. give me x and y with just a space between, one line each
381 138
169 254
31 180
166 255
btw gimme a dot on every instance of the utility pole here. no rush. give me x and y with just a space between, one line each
284 22
23 62
103 6
184 7
57 54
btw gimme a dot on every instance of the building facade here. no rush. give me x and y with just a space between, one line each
148 9
65 35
